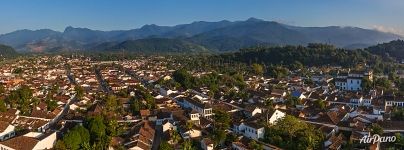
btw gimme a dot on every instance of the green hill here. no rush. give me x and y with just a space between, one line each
7 52
312 55
156 45
394 49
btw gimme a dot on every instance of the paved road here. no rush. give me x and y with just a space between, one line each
157 137
104 85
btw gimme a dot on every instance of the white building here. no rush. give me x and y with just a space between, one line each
252 110
166 91
31 140
250 129
192 133
253 130
168 125
204 109
398 103
275 116
7 131
352 81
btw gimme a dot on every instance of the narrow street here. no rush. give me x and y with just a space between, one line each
157 137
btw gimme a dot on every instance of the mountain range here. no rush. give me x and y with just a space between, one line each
197 36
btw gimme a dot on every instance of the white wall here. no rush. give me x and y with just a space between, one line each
46 143
9 132
276 115
354 84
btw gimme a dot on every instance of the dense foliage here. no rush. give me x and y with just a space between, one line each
21 99
222 123
212 81
7 52
312 55
158 45
398 114
394 49
291 133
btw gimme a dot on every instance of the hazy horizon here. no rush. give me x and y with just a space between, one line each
383 15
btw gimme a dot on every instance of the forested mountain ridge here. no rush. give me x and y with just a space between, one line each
7 52
394 49
217 36
154 45
312 55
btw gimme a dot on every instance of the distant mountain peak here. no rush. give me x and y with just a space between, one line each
252 19
149 26
70 28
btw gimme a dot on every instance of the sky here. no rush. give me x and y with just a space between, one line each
383 15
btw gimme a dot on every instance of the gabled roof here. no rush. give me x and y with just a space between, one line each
21 143
144 112
336 142
3 126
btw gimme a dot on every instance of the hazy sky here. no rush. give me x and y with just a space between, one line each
386 15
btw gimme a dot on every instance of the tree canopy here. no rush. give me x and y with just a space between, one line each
291 133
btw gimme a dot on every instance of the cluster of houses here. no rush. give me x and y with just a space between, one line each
33 127
333 104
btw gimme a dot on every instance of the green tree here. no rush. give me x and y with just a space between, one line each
221 123
258 69
72 140
96 127
254 145
187 145
21 99
51 104
376 129
400 140
221 119
401 85
292 101
135 105
291 133
218 136
79 91
18 71
111 103
384 83
297 65
174 136
320 104
398 113
165 146
184 78
60 145
112 127
76 137
2 89
366 84
3 107
189 125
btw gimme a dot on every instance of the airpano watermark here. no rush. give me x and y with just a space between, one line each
377 138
